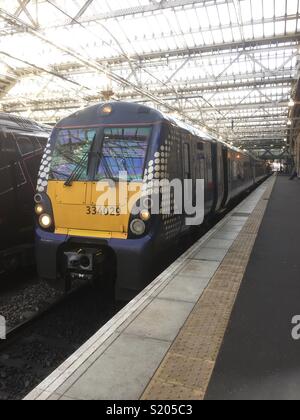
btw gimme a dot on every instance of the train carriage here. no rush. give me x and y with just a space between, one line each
76 236
21 147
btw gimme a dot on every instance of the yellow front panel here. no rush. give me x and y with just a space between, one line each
83 209
77 194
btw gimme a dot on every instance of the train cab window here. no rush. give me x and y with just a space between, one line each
187 161
123 150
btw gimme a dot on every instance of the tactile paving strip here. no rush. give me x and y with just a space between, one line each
187 368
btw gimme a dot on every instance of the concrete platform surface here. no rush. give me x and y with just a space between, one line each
121 360
259 358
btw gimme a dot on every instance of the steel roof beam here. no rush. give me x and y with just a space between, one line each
23 5
82 10
234 106
210 84
164 60
95 66
151 8
20 9
227 46
255 105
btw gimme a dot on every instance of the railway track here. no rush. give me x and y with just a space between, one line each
35 347
15 331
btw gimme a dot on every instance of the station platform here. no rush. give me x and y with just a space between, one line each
215 325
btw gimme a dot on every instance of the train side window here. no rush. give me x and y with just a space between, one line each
7 162
26 145
235 170
7 150
187 161
200 161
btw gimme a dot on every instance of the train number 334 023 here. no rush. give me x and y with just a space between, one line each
103 211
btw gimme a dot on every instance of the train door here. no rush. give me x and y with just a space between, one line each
201 170
220 176
210 176
215 165
253 166
226 166
189 189
187 161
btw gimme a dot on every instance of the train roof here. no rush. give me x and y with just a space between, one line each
16 123
126 113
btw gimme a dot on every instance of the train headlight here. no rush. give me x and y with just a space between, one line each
138 227
39 209
45 221
145 215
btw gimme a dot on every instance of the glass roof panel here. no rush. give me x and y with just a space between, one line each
215 60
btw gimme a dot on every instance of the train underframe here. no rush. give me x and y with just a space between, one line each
121 264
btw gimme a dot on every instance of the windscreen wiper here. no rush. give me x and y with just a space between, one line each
80 167
78 170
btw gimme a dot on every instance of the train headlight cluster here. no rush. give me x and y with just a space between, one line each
138 227
45 221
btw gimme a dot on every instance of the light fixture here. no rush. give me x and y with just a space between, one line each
39 209
38 198
106 110
138 227
45 221
145 215
291 103
289 122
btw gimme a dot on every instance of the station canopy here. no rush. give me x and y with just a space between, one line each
228 66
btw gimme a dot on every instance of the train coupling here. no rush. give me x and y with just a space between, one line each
84 264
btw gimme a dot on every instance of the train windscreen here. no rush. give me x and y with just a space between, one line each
99 154
70 148
123 150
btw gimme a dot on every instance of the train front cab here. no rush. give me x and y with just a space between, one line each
76 236
85 240
20 156
80 238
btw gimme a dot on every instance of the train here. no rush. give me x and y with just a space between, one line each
22 144
82 234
